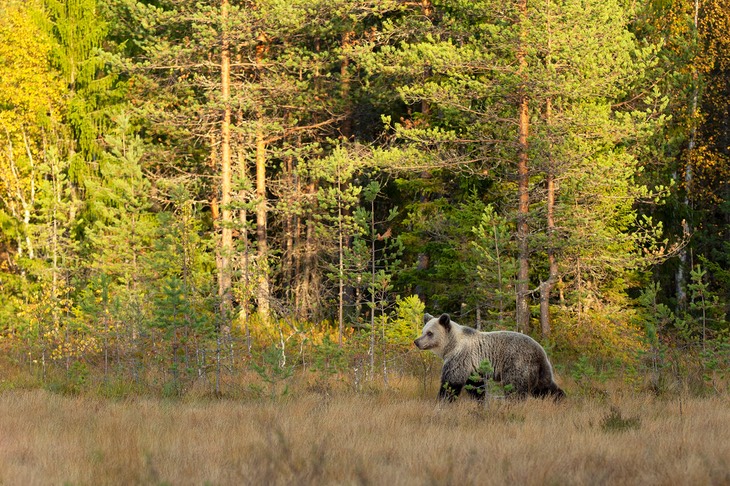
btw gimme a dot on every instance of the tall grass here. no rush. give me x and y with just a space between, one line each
386 438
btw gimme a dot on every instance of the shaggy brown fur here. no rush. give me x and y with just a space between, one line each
516 359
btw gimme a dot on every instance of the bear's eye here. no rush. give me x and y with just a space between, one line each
429 334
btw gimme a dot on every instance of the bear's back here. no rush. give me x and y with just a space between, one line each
510 348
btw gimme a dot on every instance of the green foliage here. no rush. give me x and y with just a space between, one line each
375 253
706 310
482 374
496 268
689 349
406 326
706 323
443 232
273 371
78 375
658 320
172 309
79 31
328 357
389 135
586 375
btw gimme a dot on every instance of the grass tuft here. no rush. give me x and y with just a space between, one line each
614 421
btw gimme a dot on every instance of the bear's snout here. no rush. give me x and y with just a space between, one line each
415 341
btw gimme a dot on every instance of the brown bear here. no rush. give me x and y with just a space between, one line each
516 359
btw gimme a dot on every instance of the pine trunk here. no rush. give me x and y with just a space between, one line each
681 275
523 179
261 214
311 277
226 245
289 223
341 262
244 264
546 287
262 297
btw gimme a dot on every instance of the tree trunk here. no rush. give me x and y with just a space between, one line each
345 82
341 260
289 223
681 275
225 250
245 264
226 245
262 298
423 260
547 286
372 290
298 256
347 133
310 258
523 179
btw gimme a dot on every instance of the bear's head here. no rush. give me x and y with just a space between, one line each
436 334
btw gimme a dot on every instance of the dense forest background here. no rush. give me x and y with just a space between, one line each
190 188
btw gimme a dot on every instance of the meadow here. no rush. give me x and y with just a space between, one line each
392 437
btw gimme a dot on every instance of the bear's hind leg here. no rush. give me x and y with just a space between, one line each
550 391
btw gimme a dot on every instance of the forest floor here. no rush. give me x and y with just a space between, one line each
368 438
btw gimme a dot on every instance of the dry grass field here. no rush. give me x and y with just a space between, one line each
386 438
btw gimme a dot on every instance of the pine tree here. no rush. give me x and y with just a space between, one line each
564 68
79 32
120 230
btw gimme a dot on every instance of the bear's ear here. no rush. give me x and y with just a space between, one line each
427 317
445 321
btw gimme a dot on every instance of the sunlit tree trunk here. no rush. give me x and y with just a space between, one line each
289 223
309 277
226 244
243 312
523 179
262 297
341 260
546 286
347 133
226 216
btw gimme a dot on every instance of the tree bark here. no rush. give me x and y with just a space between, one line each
226 244
289 223
546 287
243 260
523 179
681 275
341 260
305 268
262 298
